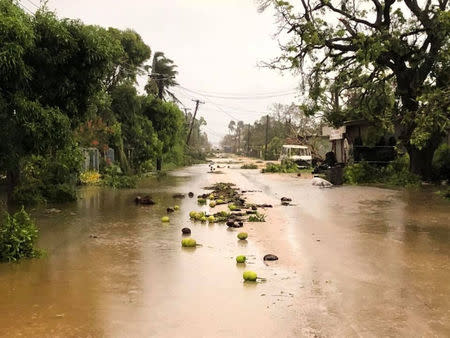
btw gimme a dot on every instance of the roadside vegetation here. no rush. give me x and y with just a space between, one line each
395 174
285 166
249 166
66 86
18 235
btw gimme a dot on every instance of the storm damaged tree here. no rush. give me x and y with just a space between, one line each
386 61
50 69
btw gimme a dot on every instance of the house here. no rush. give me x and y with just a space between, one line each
360 140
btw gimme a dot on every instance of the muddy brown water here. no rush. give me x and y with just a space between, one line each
354 261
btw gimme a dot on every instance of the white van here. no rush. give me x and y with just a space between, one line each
301 155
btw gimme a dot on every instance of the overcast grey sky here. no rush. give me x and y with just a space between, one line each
215 43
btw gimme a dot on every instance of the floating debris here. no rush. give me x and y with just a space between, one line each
146 200
270 257
250 276
188 243
242 236
241 259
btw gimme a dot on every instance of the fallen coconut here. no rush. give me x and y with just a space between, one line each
165 219
250 276
211 219
212 204
188 243
241 259
242 236
192 214
186 231
203 219
177 207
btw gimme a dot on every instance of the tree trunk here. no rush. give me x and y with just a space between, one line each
159 164
421 159
12 180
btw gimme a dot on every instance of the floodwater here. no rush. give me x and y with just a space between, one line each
354 261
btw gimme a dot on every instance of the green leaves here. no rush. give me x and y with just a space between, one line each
18 234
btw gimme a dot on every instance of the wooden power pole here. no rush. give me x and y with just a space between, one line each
267 138
197 103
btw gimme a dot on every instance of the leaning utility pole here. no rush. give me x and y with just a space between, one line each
267 138
197 103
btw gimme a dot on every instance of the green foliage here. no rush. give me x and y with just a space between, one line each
257 218
395 174
359 173
48 179
374 63
249 166
441 162
18 234
274 149
286 166
115 178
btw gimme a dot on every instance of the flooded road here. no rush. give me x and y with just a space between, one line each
354 261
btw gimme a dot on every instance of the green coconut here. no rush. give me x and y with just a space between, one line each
242 235
201 201
211 219
212 204
165 219
192 214
250 276
211 197
232 207
188 243
177 207
241 259
203 219
220 201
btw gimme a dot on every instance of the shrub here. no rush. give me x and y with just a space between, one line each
286 166
115 178
395 173
249 166
359 173
18 234
441 162
257 218
90 177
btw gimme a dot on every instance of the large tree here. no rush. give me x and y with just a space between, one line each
387 61
50 69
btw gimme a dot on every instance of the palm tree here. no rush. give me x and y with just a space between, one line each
162 76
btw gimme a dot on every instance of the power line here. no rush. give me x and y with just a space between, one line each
25 8
238 97
32 3
245 94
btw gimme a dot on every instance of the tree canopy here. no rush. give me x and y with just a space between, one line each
386 61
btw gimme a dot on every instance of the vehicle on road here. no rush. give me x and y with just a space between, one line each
301 155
